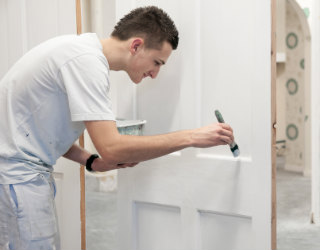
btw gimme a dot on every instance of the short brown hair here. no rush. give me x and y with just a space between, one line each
150 23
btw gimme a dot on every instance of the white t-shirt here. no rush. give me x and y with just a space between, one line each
44 99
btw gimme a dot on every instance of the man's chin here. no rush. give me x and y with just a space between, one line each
137 81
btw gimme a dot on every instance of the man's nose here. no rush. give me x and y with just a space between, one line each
154 73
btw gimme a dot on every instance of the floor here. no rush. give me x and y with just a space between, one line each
101 220
295 232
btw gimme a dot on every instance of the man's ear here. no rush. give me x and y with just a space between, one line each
136 44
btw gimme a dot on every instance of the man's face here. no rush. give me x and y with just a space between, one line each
147 62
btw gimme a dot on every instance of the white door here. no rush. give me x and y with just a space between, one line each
204 198
23 25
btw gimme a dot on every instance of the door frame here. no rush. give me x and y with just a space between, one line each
315 124
273 126
81 143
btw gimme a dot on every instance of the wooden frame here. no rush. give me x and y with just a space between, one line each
81 142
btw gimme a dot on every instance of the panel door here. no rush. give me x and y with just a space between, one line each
203 198
23 25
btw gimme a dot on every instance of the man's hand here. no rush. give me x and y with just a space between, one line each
101 165
212 135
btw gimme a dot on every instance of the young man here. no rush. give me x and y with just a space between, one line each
57 90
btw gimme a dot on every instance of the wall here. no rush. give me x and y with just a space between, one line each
315 97
295 82
293 86
312 12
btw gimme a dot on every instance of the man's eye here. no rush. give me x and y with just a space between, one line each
156 63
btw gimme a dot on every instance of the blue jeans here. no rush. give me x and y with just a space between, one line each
28 218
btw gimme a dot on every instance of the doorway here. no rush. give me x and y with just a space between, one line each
294 222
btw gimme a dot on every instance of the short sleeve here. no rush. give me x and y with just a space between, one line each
86 82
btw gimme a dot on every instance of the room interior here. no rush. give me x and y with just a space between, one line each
297 106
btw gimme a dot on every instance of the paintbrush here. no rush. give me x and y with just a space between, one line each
233 146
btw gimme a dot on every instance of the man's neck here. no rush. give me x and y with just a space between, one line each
116 52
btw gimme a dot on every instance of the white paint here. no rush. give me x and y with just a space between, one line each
222 63
156 217
214 227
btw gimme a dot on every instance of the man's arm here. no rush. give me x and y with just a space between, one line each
116 149
80 155
77 154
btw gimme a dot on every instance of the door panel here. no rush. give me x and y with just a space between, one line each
212 200
225 231
163 223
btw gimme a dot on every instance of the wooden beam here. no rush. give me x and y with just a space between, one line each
78 17
81 142
273 124
82 199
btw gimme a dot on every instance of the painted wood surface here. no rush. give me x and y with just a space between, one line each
273 124
203 198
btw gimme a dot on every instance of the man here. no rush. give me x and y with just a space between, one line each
52 94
